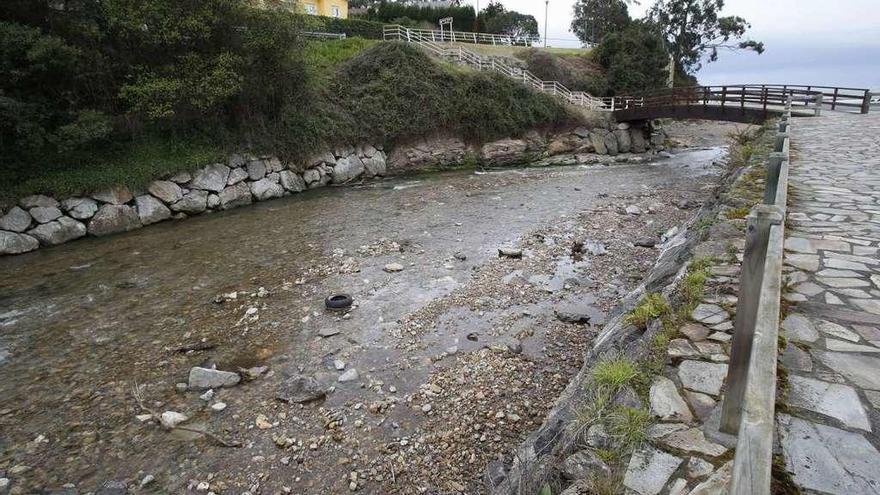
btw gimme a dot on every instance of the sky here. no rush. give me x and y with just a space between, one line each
807 41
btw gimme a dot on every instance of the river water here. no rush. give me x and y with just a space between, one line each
82 322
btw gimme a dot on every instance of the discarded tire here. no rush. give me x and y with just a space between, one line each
338 301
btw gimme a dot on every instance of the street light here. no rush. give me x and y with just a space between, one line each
546 10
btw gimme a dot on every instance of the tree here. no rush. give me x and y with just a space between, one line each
695 31
496 19
593 19
634 59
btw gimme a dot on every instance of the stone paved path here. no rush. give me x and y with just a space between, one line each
828 428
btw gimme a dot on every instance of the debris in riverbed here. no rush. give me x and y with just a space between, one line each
328 332
506 252
196 347
229 296
207 378
300 389
171 419
645 242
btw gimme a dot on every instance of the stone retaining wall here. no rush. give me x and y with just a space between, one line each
39 221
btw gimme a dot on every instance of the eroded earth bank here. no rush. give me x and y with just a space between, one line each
450 355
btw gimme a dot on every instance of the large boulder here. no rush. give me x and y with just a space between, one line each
598 141
15 220
151 210
624 143
236 175
234 196
80 208
256 169
264 189
207 378
59 231
637 138
347 169
211 178
193 202
292 181
375 165
45 214
165 190
15 243
111 219
273 164
611 144
504 151
428 154
311 176
118 195
37 200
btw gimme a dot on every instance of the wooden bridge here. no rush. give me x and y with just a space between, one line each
740 103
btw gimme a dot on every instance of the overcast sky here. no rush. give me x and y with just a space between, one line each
807 41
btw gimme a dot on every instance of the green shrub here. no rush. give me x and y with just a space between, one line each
651 307
573 72
635 59
615 373
350 27
462 17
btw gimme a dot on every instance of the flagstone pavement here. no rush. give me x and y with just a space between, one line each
829 419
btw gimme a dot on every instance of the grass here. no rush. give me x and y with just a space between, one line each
513 51
615 373
738 213
324 56
650 308
629 426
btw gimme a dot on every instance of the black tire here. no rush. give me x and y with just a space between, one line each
338 301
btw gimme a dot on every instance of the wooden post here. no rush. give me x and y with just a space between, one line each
723 96
751 275
866 102
834 99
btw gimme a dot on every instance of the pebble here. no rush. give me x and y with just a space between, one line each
4 483
170 419
147 480
207 396
510 253
349 375
339 364
392 389
426 408
393 267
218 406
181 387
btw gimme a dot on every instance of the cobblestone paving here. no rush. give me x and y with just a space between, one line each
828 428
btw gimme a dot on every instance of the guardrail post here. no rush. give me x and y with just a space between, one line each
866 102
818 110
774 165
751 275
834 99
723 96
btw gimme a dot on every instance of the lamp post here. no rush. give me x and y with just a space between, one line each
546 10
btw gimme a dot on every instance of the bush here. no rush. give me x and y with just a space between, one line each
462 17
577 73
350 27
635 59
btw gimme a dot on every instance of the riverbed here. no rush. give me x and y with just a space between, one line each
458 355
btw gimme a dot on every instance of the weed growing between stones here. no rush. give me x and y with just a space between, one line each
650 308
615 373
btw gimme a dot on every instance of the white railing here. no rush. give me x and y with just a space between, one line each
474 38
460 55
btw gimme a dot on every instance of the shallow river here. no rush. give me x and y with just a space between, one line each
80 323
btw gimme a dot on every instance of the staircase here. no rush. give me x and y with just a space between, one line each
466 57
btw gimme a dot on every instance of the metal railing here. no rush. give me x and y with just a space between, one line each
473 38
466 57
324 36
748 410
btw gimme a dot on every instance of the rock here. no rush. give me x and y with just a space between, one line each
709 314
113 487
623 126
627 397
584 464
211 178
666 402
637 141
693 441
218 406
611 144
504 151
45 214
166 190
207 378
15 243
292 181
577 313
311 176
192 203
262 422
393 267
624 143
300 389
349 375
265 189
830 399
702 377
112 218
798 328
181 177
510 253
598 438
273 165
594 248
235 196
495 472
170 419
633 210
58 232
679 348
147 480
375 165
36 200
80 208
339 364
645 243
213 201
151 210
648 471
702 404
717 484
256 170
507 343
236 175
347 169
796 359
328 331
4 484
15 220
598 142
118 195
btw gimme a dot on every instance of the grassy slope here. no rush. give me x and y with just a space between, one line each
364 91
